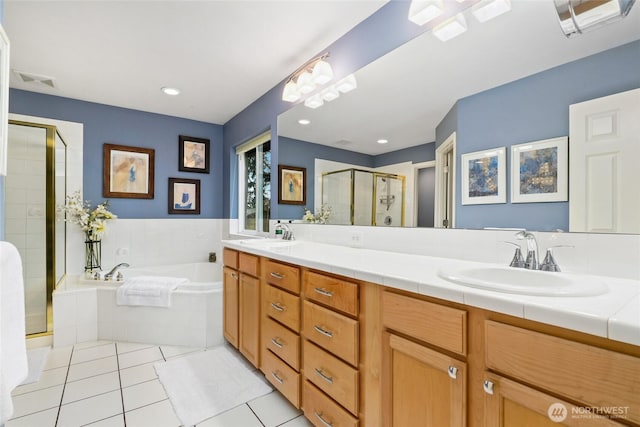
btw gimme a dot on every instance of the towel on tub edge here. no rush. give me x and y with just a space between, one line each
150 291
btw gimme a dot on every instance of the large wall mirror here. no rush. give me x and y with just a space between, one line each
503 83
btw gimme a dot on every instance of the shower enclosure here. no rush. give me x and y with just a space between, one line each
359 197
35 184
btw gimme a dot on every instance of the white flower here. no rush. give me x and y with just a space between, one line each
92 222
321 217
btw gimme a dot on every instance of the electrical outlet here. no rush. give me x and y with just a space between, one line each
356 238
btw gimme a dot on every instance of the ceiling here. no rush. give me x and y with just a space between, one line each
222 55
405 94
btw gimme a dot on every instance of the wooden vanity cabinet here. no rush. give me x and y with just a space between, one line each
241 303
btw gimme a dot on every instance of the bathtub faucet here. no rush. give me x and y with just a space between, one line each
113 271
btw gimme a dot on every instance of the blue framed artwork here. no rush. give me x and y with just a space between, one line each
539 171
484 177
184 196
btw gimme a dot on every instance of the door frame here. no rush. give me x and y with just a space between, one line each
440 203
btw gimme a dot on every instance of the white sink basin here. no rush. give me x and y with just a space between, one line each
268 244
526 282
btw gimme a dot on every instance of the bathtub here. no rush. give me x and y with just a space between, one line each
194 318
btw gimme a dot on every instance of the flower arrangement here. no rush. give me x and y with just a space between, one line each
320 217
92 221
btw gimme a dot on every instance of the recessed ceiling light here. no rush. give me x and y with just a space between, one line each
170 91
383 141
304 121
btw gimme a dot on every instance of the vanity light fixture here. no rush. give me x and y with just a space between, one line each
450 28
423 11
312 74
170 91
489 9
578 16
347 84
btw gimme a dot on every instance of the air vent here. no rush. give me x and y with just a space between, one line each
343 142
35 78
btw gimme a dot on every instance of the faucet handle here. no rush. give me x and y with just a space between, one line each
549 263
518 260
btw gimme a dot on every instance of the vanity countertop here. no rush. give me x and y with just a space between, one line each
614 314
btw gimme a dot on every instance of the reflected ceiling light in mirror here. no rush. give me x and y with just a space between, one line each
382 141
423 11
579 16
170 91
304 122
347 84
450 28
330 93
489 9
314 101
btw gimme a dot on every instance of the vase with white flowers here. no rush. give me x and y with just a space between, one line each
319 217
93 223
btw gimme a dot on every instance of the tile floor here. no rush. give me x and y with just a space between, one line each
109 384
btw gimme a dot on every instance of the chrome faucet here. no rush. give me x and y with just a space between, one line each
287 233
113 271
531 263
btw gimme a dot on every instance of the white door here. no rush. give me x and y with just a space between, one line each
604 159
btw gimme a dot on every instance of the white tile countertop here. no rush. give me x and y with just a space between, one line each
614 314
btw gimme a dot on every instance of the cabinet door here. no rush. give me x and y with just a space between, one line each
249 344
230 296
422 387
511 404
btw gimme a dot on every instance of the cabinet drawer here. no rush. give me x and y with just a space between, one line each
441 326
249 264
580 372
282 275
283 378
230 258
331 331
283 307
281 341
333 292
322 411
331 375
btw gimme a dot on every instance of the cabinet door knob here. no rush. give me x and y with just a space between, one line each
453 372
487 386
323 291
278 307
323 331
320 416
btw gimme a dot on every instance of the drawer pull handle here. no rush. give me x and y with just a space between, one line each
487 386
453 372
319 415
278 307
276 377
323 331
323 291
324 376
276 275
276 342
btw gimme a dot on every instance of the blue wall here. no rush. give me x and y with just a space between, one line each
107 124
416 154
294 152
531 109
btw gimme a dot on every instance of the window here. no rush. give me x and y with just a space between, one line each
254 167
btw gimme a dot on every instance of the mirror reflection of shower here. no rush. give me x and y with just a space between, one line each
359 197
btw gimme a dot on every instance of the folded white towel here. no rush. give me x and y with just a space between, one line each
13 351
152 291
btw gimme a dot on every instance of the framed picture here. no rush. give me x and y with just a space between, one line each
293 182
484 177
128 172
184 196
539 171
193 154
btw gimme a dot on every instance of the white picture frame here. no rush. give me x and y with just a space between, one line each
484 177
4 99
539 171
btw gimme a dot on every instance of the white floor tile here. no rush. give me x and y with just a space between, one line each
139 357
37 401
91 386
273 409
93 353
92 368
48 378
155 415
90 410
137 374
117 421
41 419
169 351
58 358
127 347
301 421
143 394
236 417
